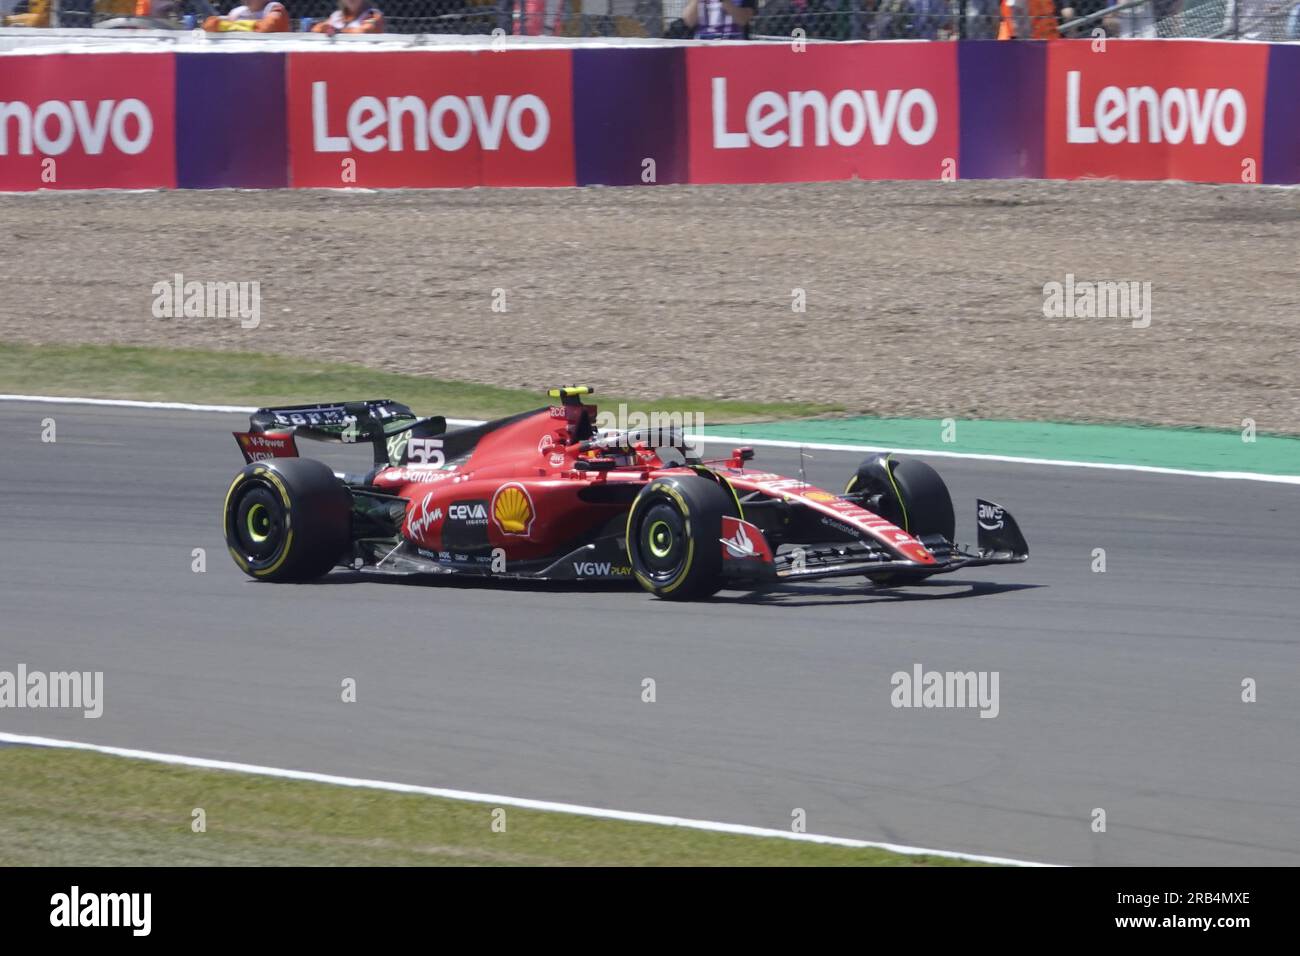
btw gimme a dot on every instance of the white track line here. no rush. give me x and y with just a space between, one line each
167 406
1013 459
125 403
722 439
497 800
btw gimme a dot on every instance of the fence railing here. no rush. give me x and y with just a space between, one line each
1274 20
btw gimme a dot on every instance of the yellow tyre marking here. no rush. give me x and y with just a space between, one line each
690 547
284 493
627 541
897 494
230 491
739 507
275 479
288 546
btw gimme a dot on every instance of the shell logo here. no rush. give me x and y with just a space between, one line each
820 496
512 509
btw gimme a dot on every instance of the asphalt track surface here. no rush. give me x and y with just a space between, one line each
1118 690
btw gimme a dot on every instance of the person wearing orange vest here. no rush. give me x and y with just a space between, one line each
37 15
352 16
255 16
1028 20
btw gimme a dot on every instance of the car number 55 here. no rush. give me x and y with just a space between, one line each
426 451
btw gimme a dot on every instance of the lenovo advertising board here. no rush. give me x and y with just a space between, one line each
772 113
464 118
87 121
1155 109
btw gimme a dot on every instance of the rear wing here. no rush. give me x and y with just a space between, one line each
387 425
330 422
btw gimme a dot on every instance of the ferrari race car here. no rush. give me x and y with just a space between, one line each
545 495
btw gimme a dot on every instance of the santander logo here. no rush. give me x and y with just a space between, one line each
800 118
398 123
1138 114
54 125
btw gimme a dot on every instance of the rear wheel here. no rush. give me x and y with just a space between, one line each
287 520
673 531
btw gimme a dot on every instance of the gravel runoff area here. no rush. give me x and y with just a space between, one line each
922 299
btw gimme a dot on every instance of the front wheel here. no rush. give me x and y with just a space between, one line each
288 519
674 529
907 492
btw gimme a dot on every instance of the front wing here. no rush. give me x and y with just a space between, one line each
748 555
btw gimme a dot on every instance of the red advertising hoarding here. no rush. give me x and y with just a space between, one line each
430 119
87 121
775 113
1155 109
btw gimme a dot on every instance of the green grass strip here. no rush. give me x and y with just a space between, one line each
73 808
240 378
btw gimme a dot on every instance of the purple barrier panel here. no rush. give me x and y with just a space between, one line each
230 121
1282 116
1003 99
629 105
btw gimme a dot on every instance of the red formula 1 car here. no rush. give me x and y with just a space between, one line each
543 495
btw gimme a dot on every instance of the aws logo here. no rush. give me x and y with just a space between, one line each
990 517
512 510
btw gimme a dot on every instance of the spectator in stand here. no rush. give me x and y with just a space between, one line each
533 18
981 19
933 20
912 20
892 20
157 9
1074 9
37 15
1029 20
352 16
719 19
256 16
